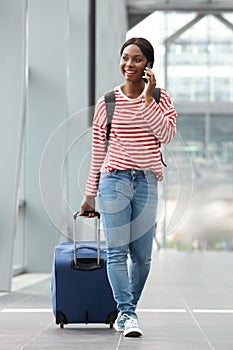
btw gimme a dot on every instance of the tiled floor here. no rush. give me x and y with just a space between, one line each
187 305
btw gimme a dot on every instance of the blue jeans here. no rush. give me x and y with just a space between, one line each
128 202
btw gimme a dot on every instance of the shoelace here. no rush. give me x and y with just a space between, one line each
133 321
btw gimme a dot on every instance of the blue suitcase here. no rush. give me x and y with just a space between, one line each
81 292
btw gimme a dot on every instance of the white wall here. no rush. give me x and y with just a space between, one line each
11 59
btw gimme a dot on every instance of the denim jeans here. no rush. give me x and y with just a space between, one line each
128 201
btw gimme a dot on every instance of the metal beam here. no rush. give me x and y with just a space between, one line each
183 29
224 21
215 108
149 6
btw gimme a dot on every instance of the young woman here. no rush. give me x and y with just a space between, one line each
125 176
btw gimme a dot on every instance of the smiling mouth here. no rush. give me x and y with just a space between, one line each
129 72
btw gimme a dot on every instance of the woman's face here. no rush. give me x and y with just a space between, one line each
132 63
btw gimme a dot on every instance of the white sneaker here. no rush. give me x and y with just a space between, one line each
132 328
119 324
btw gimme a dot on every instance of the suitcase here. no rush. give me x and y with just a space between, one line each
81 292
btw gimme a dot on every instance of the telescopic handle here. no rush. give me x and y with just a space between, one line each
86 213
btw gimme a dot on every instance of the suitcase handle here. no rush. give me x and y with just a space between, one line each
87 264
97 215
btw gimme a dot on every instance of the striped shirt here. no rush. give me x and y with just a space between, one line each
136 133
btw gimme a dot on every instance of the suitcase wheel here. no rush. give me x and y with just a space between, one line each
61 319
111 318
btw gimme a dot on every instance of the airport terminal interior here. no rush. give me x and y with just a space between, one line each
57 58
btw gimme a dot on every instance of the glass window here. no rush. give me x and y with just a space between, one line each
200 62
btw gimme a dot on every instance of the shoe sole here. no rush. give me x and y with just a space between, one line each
133 333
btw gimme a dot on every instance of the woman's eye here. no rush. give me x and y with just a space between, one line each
126 59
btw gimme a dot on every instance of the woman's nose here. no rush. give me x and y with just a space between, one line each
129 63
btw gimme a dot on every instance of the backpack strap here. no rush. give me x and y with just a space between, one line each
109 98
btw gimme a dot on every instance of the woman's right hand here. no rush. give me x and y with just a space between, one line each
88 204
150 85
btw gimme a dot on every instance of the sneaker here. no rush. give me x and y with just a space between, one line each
132 328
119 324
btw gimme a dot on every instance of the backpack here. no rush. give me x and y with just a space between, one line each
109 98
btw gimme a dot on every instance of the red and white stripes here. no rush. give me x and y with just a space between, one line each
136 131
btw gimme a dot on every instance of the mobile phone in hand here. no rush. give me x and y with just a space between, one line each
149 66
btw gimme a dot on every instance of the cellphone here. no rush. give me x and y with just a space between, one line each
149 66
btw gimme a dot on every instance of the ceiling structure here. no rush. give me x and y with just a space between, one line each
140 9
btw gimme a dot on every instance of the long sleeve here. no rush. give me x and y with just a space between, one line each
161 117
98 147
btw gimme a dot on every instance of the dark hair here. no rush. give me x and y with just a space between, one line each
143 44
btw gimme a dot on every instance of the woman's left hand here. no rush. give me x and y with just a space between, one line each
150 85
